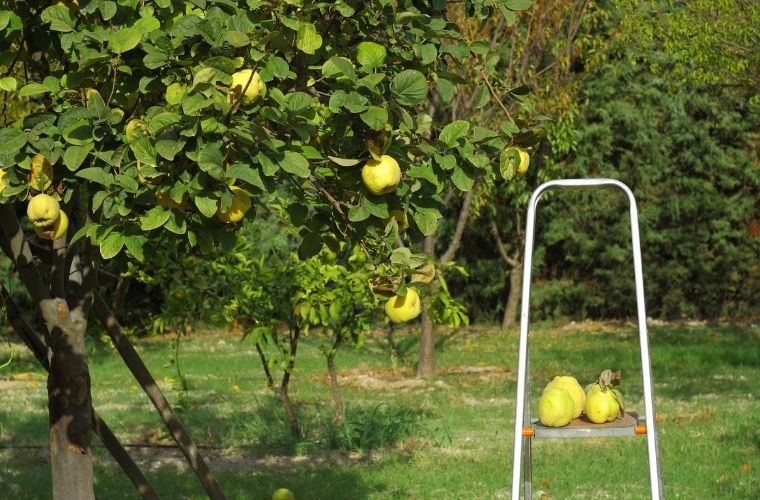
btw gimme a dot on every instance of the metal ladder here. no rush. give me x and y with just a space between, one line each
631 425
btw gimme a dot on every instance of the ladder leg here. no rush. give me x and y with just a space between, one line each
527 468
522 399
655 474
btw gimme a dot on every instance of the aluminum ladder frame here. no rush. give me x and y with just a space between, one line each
523 432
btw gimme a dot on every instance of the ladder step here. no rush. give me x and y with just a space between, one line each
628 425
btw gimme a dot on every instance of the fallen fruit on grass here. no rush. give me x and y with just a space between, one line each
400 308
57 230
555 408
283 494
381 176
43 210
571 385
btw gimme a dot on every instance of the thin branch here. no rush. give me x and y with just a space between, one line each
464 215
500 244
265 365
336 204
495 95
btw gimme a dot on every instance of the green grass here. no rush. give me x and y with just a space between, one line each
446 438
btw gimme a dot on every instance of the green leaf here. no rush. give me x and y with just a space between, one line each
509 15
379 209
144 151
161 121
78 133
423 171
454 131
97 105
426 221
154 218
307 38
169 148
31 89
97 175
153 60
59 17
517 4
336 67
428 53
446 89
402 257
310 246
111 245
146 24
358 213
206 205
370 54
298 101
193 103
236 39
294 163
409 87
376 117
75 155
124 39
8 84
247 174
509 159
11 141
135 244
107 9
211 161
344 162
461 179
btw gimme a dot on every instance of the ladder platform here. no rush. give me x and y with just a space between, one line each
627 425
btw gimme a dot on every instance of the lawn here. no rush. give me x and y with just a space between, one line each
445 438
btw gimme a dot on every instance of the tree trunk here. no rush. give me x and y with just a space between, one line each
340 408
513 298
69 405
426 356
290 411
69 398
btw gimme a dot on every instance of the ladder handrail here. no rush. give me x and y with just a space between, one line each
521 409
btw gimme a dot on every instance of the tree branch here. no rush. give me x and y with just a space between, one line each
464 215
500 244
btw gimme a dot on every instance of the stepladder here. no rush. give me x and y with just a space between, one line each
629 424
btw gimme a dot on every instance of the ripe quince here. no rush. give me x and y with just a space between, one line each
241 203
250 81
381 176
57 230
400 308
43 210
571 385
555 408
